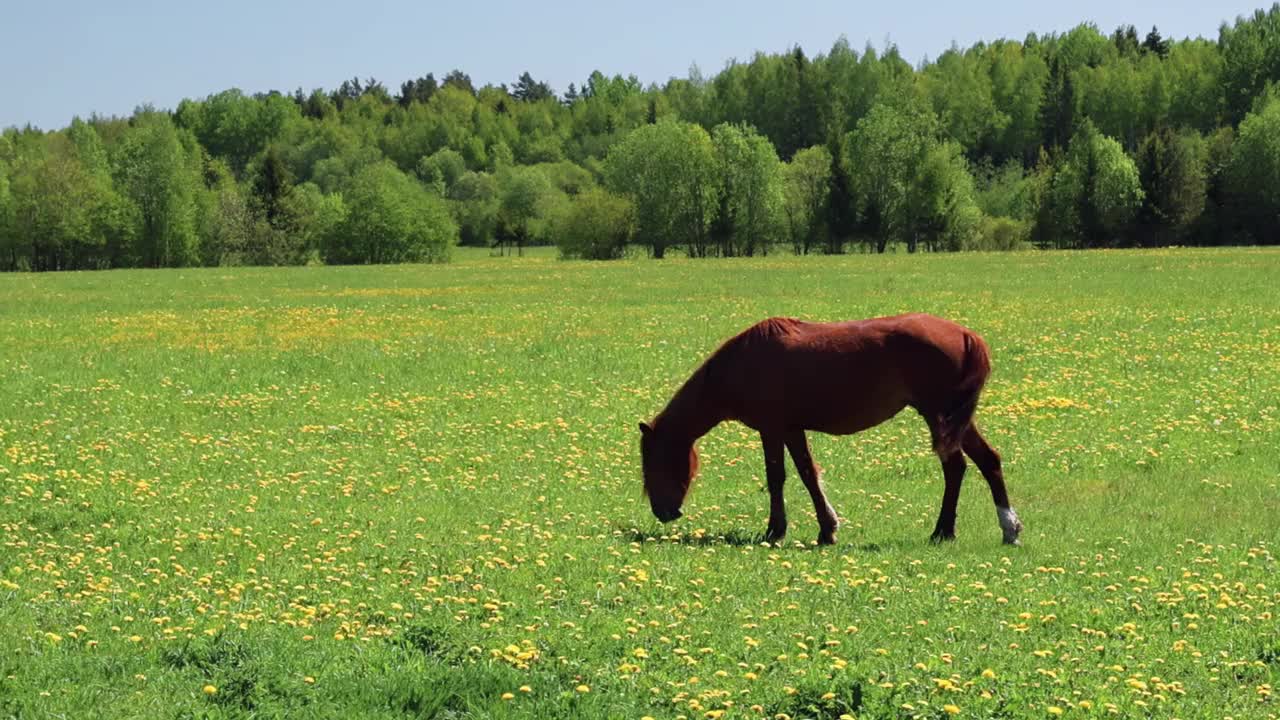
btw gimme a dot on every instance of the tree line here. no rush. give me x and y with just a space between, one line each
1074 140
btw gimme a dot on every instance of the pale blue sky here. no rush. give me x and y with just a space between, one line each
60 59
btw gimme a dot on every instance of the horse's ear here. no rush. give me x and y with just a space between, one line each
644 428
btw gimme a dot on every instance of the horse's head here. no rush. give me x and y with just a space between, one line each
669 467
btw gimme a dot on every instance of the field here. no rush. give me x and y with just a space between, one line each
414 492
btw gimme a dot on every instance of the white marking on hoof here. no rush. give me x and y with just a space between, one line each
1010 525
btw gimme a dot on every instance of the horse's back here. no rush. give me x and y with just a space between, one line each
843 377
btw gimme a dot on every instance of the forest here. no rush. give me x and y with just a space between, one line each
1084 139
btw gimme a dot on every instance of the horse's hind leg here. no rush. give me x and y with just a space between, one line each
775 470
953 467
988 461
798 444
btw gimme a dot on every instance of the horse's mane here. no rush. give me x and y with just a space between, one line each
692 394
770 328
686 399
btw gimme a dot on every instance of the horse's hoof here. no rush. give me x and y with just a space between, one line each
938 538
826 538
1010 525
773 535
1013 541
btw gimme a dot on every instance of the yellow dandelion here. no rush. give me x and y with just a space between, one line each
583 688
1055 710
951 709
210 690
508 696
989 674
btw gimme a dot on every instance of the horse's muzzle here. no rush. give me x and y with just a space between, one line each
668 516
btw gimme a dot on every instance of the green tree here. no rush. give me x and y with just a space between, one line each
940 210
1219 224
1058 106
668 171
153 170
419 90
1172 169
523 194
475 206
64 211
226 226
596 225
842 214
960 92
8 231
526 89
459 80
315 219
803 115
1018 82
1156 44
391 218
1004 191
1253 175
1250 51
1193 73
236 127
442 169
889 148
112 218
805 191
750 190
1092 196
272 184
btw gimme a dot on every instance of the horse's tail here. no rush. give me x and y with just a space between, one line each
974 369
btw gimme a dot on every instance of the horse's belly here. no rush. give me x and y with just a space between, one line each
855 419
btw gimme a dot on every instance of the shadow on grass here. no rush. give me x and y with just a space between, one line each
737 538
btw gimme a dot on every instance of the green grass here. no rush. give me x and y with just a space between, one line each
407 491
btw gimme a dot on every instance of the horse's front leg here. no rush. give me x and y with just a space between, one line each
775 470
798 444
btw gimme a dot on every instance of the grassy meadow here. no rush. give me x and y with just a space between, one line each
413 492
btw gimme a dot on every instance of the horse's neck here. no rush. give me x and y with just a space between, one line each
693 411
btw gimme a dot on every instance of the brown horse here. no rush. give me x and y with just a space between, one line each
784 376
